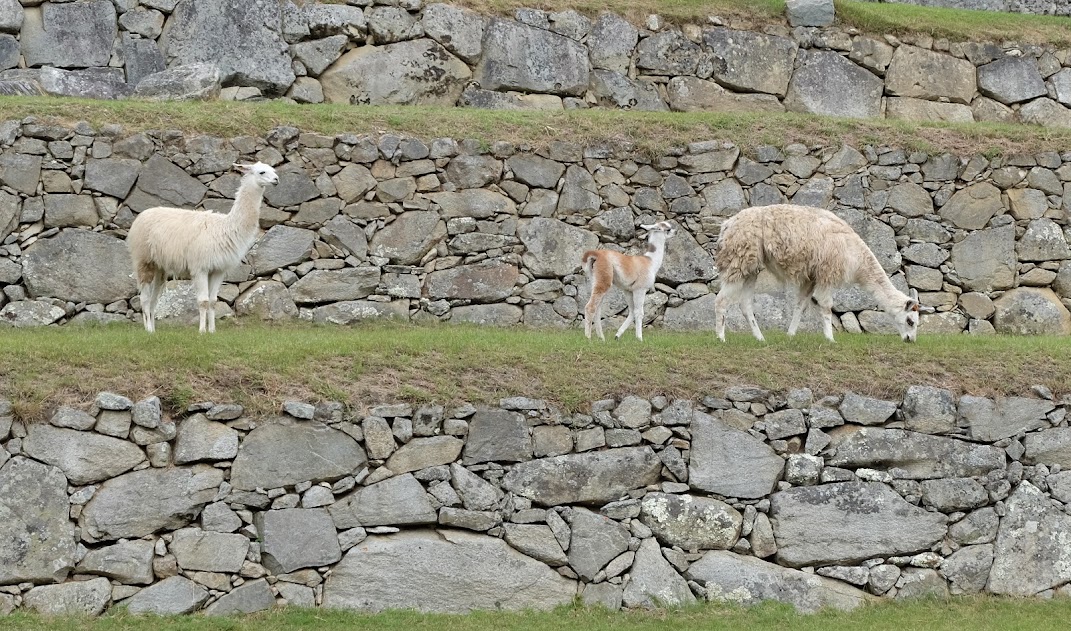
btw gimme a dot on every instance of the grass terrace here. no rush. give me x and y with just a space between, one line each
977 614
259 366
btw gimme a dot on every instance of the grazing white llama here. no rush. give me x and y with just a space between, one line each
808 248
196 244
633 274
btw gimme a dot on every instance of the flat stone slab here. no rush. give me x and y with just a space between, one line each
588 478
443 571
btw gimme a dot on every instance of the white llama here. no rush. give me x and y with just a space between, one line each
812 250
633 274
200 245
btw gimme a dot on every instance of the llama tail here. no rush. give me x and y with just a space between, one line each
146 272
588 261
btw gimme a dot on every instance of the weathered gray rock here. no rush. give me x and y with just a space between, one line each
84 457
23 313
954 494
497 435
21 172
925 74
192 82
594 477
691 522
611 42
80 266
409 237
617 90
985 260
475 492
319 286
483 204
846 522
594 541
552 246
1011 80
989 420
267 300
173 596
1051 446
809 12
421 453
1045 112
232 35
520 57
653 582
536 541
414 72
459 30
828 84
1029 556
201 439
743 580
142 58
865 410
112 176
1043 241
396 501
68 211
900 107
76 598
350 311
200 550
294 538
1031 311
751 62
486 281
69 35
37 540
128 562
929 410
718 457
246 598
667 53
278 454
967 569
691 94
162 183
918 456
401 571
343 233
139 503
279 247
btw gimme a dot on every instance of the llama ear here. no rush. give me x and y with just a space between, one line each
242 168
646 226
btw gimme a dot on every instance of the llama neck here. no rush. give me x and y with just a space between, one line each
874 278
245 212
656 250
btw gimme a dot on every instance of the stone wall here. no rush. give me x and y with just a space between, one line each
403 52
829 501
437 229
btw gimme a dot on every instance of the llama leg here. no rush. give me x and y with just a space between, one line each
148 308
824 298
747 304
629 299
200 286
601 281
722 302
146 305
803 297
637 301
215 279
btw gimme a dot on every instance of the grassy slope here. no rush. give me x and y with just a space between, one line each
953 615
261 366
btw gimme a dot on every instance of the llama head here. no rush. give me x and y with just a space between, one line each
907 317
659 228
261 173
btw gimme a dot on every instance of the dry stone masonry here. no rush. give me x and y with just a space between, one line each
408 52
387 226
744 496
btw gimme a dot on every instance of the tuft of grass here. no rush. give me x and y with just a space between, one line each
259 366
954 614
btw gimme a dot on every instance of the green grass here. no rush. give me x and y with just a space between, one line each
650 133
977 614
260 366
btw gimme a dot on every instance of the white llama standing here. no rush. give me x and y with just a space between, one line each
200 245
633 274
812 250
